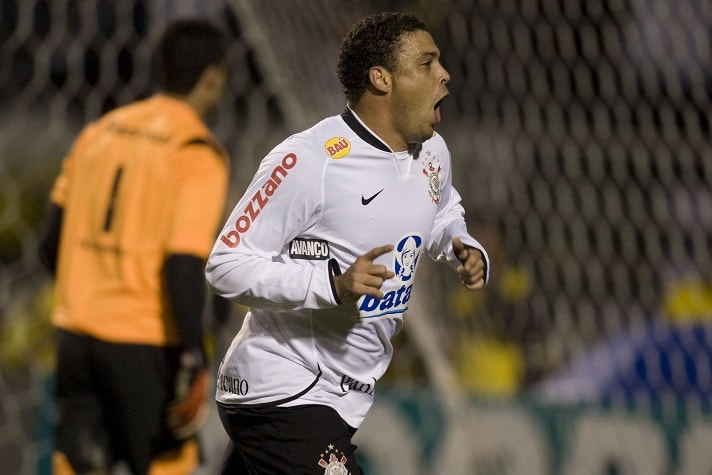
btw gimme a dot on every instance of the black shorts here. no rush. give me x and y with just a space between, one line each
111 402
303 440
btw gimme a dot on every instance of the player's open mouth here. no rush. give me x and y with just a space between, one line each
438 114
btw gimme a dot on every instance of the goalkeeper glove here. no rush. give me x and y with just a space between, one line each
189 409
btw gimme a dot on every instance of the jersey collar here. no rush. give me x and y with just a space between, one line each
365 135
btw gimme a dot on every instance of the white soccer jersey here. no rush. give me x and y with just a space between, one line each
319 200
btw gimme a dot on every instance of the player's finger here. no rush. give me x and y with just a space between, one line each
380 271
458 247
374 280
476 285
472 261
472 275
361 290
378 251
365 289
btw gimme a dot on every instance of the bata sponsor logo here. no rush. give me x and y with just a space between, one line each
315 249
337 147
395 301
392 302
258 201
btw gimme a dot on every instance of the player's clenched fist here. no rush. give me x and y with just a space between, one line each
363 277
472 267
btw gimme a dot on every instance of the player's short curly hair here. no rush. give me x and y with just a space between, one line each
373 41
186 48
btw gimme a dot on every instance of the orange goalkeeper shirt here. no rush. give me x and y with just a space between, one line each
145 181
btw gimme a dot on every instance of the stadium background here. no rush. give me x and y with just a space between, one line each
581 145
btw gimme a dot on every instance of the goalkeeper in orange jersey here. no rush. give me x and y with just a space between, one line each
134 214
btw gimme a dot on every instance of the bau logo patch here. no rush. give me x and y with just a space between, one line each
337 147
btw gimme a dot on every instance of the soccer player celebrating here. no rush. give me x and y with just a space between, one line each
323 248
135 211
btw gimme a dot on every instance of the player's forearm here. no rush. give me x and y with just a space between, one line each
440 245
259 282
186 293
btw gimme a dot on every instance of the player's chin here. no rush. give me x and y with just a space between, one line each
428 132
425 132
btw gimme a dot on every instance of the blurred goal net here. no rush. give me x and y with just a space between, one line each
581 145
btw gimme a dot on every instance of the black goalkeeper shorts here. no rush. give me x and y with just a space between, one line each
111 401
303 440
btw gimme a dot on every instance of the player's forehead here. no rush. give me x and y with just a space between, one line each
417 45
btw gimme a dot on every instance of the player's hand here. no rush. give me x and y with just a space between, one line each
189 409
363 277
472 267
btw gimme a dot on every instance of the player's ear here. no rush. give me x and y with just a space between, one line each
214 77
380 78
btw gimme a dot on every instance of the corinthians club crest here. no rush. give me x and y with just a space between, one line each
334 465
431 169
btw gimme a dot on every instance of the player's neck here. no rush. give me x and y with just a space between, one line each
379 120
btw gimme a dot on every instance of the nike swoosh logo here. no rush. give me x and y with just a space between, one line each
365 201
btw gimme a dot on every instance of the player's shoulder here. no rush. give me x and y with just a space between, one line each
313 143
437 146
327 127
436 141
207 141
